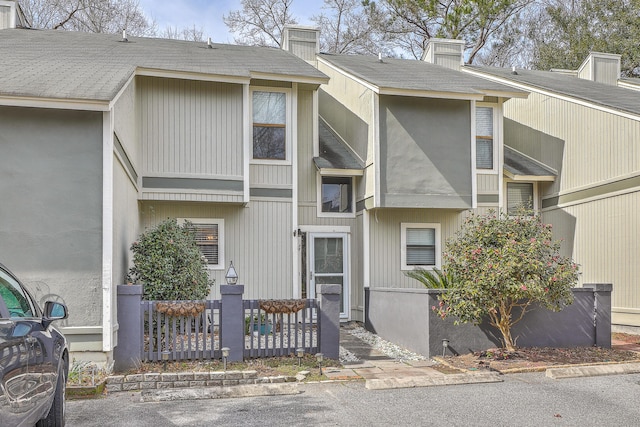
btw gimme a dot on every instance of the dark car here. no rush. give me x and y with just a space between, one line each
34 358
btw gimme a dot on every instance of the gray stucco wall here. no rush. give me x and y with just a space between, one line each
425 152
405 317
51 206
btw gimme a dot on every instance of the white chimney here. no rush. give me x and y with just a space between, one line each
303 42
446 52
601 67
11 15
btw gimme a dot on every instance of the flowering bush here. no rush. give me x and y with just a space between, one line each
501 262
169 264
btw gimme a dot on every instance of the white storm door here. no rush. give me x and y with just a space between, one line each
328 253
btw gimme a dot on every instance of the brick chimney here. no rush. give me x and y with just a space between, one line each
446 52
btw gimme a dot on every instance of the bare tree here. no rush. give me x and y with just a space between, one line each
260 22
96 16
344 28
410 24
188 33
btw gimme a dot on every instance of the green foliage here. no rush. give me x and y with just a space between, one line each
504 262
431 279
169 264
610 26
409 24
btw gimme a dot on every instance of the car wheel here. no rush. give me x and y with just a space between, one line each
56 415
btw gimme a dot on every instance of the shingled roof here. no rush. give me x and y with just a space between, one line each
391 74
597 93
87 66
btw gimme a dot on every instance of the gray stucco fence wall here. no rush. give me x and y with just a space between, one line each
405 317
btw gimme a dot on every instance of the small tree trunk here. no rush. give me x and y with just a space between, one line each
504 324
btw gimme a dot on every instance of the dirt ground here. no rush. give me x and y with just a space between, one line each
625 348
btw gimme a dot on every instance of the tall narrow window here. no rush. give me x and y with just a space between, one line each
269 125
519 195
484 138
337 194
420 246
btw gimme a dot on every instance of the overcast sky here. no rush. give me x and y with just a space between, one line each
207 14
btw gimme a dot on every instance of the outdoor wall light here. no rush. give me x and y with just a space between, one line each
319 357
445 346
165 358
300 355
232 276
225 355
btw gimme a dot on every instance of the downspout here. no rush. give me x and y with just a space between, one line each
107 231
294 189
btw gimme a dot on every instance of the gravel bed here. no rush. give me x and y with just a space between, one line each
383 346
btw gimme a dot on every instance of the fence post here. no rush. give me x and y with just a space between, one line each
128 350
602 312
329 316
232 321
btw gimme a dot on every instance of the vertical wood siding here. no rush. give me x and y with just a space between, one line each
488 184
5 16
588 147
257 240
603 235
190 127
125 119
585 145
357 100
306 168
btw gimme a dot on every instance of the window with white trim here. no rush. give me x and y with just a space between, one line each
269 125
484 138
520 195
336 195
209 235
420 246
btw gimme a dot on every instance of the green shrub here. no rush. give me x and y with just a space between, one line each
503 262
435 279
169 264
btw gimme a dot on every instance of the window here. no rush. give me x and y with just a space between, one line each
337 195
484 138
519 195
269 125
14 297
420 246
210 240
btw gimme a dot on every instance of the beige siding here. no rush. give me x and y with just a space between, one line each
603 238
190 128
606 70
357 113
306 168
255 240
597 217
385 235
585 145
279 175
5 17
125 115
488 184
186 196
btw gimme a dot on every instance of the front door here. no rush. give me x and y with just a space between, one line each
328 264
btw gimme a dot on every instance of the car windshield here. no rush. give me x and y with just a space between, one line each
14 297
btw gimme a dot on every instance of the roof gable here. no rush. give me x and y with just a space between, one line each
418 78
